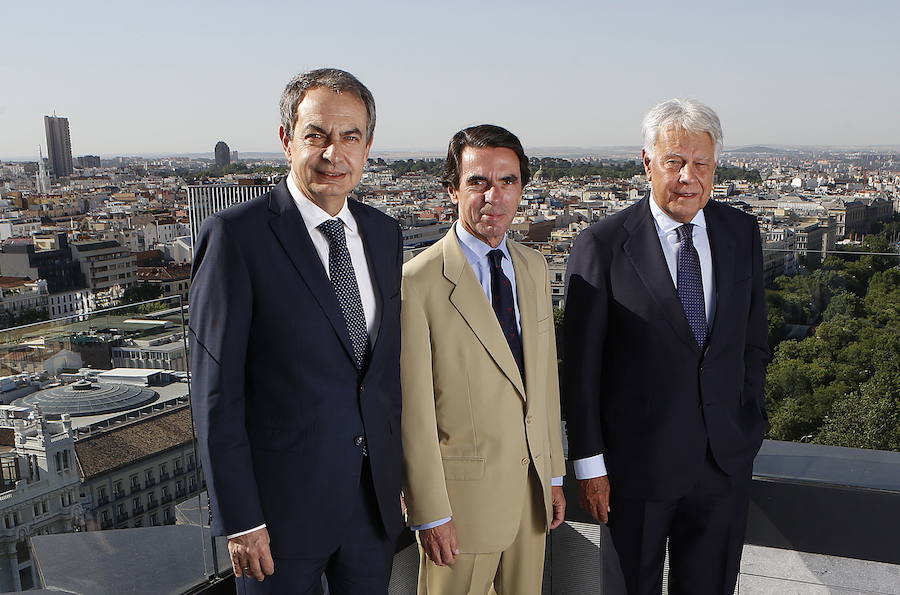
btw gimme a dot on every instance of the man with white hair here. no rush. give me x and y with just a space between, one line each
666 347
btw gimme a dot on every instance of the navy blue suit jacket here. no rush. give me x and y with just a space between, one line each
637 387
277 399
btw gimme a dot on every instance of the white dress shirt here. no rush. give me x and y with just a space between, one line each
668 238
476 253
313 216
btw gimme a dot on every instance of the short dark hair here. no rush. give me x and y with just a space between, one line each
329 78
483 135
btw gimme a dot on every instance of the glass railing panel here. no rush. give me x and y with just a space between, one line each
101 482
834 332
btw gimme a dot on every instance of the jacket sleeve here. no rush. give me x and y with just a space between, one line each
756 348
220 313
585 326
425 486
557 459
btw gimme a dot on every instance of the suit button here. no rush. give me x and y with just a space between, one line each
358 440
529 419
525 462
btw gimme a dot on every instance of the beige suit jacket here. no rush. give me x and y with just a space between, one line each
471 427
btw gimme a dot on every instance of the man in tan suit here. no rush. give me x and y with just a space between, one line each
481 422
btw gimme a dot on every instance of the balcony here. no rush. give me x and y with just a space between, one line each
119 495
149 483
102 501
139 509
121 515
794 535
163 476
135 489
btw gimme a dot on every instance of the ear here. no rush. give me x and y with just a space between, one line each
646 159
285 142
369 146
451 191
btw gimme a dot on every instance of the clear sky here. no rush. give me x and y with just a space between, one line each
171 77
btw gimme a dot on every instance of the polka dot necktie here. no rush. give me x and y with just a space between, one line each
504 307
690 284
343 278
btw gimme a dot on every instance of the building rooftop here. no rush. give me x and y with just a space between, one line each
88 398
121 446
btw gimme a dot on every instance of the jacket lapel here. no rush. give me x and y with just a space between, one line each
643 250
468 298
528 292
288 227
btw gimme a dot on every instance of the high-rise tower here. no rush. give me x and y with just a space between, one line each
42 180
59 146
223 154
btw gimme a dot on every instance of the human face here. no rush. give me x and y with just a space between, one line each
329 148
490 188
681 172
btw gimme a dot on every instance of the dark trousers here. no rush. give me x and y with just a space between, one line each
705 529
360 565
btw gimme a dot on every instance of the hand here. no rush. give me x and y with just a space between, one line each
250 555
558 498
594 494
440 544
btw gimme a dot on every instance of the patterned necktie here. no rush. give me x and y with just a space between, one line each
504 307
343 278
690 284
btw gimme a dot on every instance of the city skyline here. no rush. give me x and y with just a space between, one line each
578 75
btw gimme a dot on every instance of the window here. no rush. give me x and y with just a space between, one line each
164 469
59 461
65 459
134 482
101 494
153 520
10 470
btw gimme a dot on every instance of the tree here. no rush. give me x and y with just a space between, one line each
141 292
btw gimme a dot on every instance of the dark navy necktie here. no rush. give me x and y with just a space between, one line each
343 278
502 299
690 284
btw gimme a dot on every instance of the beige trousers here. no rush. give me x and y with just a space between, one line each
517 570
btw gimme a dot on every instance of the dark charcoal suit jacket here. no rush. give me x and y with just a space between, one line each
277 400
637 387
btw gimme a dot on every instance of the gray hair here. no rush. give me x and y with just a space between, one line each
688 114
329 78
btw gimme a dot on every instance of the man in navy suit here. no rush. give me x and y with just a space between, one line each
295 349
666 348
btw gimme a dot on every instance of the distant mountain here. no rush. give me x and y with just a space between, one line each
757 149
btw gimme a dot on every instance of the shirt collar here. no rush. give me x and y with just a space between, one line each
476 247
313 215
665 224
